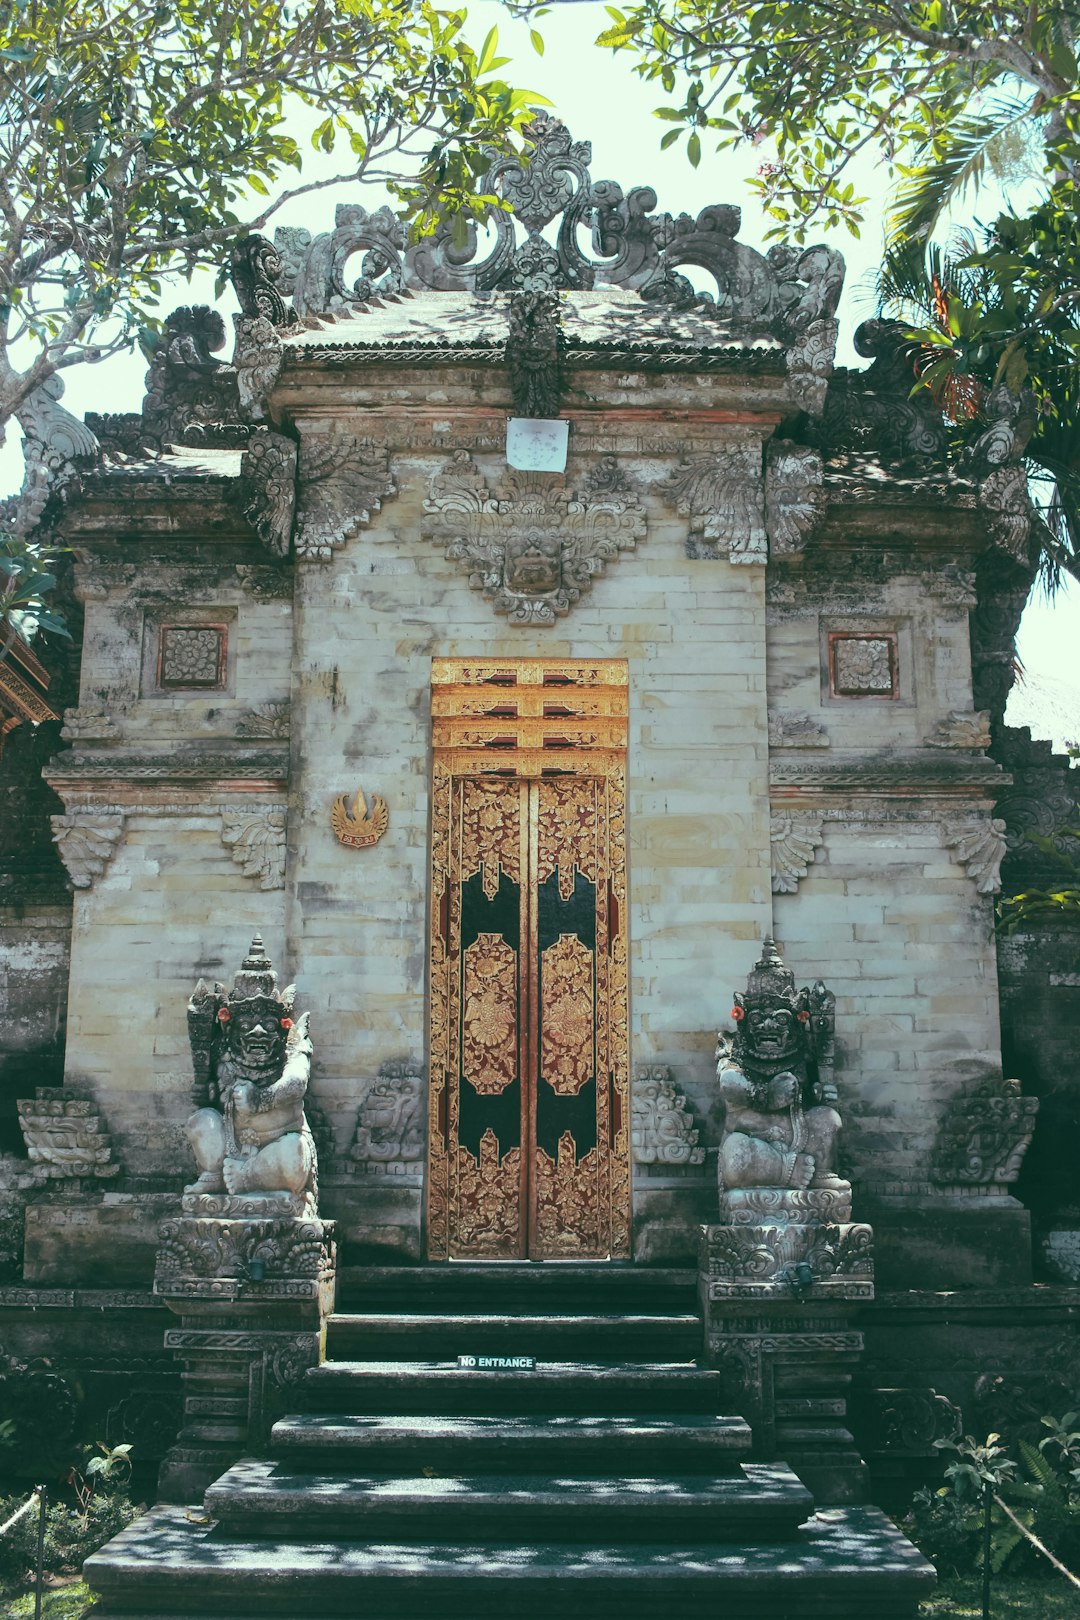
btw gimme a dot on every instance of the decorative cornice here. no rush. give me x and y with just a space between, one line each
87 841
216 765
914 777
794 841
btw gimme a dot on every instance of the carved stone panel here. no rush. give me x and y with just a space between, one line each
662 1127
530 544
794 841
794 495
863 665
390 1128
343 483
723 494
86 841
984 1136
981 849
256 840
192 655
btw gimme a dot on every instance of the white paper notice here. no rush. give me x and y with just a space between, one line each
536 445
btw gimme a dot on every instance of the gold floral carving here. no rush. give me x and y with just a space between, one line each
568 1203
489 1020
488 1200
438 1216
491 831
568 831
567 1016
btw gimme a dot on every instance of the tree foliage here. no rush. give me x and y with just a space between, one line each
136 137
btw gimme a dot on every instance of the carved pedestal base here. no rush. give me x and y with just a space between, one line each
780 1291
252 1297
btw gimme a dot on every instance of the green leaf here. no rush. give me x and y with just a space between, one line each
537 40
669 138
693 149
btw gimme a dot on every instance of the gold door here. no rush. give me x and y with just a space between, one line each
529 1129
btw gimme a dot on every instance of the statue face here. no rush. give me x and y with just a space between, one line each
771 1033
257 1037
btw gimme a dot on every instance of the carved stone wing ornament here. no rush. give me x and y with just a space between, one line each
355 826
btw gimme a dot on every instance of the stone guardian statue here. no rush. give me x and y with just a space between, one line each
252 1064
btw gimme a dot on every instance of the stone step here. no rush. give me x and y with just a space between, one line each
268 1499
845 1564
618 1335
532 1444
400 1387
562 1286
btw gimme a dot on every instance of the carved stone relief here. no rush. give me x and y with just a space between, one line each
794 495
86 841
723 494
984 1135
795 729
961 729
532 352
390 1129
863 665
794 841
343 483
662 1126
65 1136
981 849
256 840
268 720
191 655
269 470
529 543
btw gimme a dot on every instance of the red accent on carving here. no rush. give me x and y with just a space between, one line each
737 1013
224 1015
804 1017
286 1023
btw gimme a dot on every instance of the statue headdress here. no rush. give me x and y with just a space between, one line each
210 1009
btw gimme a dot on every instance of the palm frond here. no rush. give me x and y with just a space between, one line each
960 158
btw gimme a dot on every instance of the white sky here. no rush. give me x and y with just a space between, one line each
603 102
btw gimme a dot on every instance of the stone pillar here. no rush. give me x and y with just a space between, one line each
251 1290
781 1278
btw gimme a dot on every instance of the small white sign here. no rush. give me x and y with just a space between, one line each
536 444
498 1363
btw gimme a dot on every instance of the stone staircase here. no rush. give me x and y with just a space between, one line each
603 1483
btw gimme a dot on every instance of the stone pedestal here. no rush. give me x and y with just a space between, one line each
781 1278
252 1284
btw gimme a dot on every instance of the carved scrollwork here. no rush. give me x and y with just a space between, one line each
984 1136
530 544
981 850
257 359
343 483
390 1125
268 720
255 268
256 841
532 352
723 494
961 729
794 495
87 841
794 842
793 728
269 471
662 1127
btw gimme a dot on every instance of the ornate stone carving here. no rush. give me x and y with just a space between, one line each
984 1135
912 1422
791 292
863 665
186 387
255 268
390 1126
256 840
662 1126
996 459
794 841
192 655
88 725
532 353
343 483
226 1248
981 849
775 1077
794 495
961 729
876 409
768 1254
759 1206
87 841
268 720
794 729
530 544
723 494
258 356
251 1063
56 448
269 470
65 1136
809 364
353 825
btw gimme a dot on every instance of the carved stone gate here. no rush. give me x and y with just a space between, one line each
530 1114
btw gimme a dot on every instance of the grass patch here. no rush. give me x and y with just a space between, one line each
1009 1600
66 1602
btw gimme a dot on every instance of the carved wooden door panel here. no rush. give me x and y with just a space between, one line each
529 1125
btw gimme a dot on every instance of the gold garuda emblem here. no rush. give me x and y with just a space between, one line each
356 827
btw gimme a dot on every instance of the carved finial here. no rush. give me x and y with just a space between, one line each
256 960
